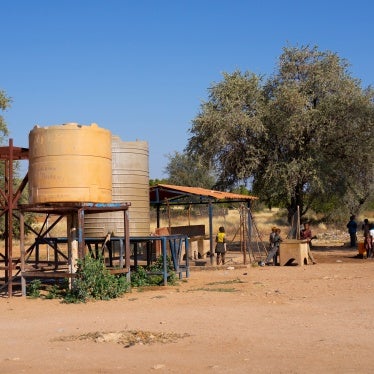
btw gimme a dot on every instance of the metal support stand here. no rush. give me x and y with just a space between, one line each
75 240
8 207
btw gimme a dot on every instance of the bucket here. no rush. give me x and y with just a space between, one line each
361 248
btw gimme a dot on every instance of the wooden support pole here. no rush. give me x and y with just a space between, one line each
22 249
211 250
127 242
71 221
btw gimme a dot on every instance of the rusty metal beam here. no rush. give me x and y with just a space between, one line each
8 204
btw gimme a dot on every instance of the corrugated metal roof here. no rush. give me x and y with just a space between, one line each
168 191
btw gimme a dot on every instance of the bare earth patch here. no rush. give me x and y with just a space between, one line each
126 338
290 319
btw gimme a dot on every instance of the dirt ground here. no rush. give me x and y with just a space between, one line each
291 319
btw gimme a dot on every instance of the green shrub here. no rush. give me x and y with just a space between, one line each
33 289
94 281
139 278
150 277
54 292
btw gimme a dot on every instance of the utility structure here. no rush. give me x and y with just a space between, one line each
27 262
9 198
75 240
172 195
10 193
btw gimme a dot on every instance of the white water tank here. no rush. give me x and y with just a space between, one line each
130 183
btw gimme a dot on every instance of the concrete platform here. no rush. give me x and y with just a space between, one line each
293 251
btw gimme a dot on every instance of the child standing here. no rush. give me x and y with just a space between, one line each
221 246
306 234
370 240
274 246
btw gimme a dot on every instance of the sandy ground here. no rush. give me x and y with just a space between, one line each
292 319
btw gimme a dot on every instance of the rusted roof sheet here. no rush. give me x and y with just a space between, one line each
168 191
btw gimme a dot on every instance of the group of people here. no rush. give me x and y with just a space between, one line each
368 233
274 244
275 240
305 234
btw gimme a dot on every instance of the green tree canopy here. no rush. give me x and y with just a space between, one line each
186 171
5 102
304 137
155 182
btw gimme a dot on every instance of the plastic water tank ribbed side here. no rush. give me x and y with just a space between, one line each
130 183
70 163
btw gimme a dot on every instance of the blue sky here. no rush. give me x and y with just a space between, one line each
142 68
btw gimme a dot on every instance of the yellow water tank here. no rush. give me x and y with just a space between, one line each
70 163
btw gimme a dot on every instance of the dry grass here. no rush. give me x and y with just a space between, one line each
127 338
263 222
229 218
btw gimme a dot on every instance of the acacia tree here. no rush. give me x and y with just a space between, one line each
185 171
4 105
5 102
229 127
299 136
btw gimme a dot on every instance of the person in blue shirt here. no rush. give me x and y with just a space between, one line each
352 229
